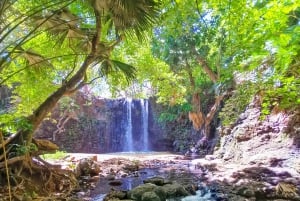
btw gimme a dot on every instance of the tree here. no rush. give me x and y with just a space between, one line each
263 38
188 40
208 42
50 49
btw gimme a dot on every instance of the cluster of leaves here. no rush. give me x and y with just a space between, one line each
25 149
271 34
285 95
237 103
173 113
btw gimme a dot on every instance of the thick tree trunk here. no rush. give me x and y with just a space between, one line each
199 119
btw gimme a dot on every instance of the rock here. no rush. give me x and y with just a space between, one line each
276 161
87 167
115 195
191 188
81 194
174 190
150 196
131 168
159 181
115 183
241 134
210 157
110 177
246 192
137 192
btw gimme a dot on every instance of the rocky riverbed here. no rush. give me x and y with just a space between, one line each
209 178
256 159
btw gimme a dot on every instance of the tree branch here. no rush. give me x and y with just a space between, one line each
190 73
212 76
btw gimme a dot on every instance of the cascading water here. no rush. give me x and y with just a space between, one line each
136 125
145 118
128 146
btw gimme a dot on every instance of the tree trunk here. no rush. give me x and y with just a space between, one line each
199 119
40 113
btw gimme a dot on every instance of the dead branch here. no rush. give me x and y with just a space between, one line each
3 155
12 161
61 122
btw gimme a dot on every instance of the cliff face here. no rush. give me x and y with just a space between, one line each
93 125
272 141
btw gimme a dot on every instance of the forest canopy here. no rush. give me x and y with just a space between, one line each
178 51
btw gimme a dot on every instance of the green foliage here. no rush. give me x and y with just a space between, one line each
9 123
56 156
237 103
25 149
284 94
167 117
173 113
44 47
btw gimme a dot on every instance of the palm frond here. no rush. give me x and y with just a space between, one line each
33 59
132 17
61 25
128 70
107 67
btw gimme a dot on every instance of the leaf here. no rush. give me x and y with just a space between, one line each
33 59
128 70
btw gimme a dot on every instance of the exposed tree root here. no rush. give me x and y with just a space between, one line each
33 178
30 177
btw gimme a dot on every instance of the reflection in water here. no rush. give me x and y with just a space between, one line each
129 183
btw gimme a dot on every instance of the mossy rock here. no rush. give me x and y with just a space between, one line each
159 181
150 196
137 193
174 190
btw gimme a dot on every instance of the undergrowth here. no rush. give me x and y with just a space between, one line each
237 103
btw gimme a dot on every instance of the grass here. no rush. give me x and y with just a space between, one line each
56 156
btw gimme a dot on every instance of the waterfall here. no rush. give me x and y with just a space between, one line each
135 127
145 117
129 141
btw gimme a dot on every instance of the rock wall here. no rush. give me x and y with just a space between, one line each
253 140
94 125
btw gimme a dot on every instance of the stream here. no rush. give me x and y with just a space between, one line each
171 171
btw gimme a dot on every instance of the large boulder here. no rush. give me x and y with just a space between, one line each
159 181
150 196
174 190
87 167
138 192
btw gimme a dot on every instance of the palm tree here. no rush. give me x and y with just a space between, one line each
89 30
